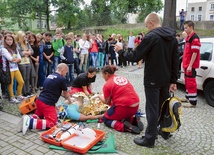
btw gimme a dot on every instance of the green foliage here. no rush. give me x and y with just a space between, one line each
67 12
148 6
123 32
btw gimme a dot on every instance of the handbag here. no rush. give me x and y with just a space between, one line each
5 77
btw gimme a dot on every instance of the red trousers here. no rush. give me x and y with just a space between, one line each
115 116
191 86
45 116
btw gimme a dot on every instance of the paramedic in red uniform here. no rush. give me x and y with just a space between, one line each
45 116
124 101
191 61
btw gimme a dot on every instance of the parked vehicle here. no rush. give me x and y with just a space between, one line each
205 74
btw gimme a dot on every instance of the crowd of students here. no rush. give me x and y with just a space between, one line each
33 57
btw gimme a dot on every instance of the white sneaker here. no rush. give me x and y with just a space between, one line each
26 124
20 98
14 100
20 125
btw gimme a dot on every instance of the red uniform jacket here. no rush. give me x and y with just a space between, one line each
192 45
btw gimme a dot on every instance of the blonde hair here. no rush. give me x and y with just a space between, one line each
20 39
154 18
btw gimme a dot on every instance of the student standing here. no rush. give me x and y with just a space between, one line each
191 61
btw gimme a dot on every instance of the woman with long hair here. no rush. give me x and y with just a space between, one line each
10 53
25 51
35 60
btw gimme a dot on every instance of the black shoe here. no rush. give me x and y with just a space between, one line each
1 108
165 135
137 122
143 142
28 94
130 128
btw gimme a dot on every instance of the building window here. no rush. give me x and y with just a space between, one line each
192 9
212 7
37 24
41 24
212 17
199 17
200 8
192 17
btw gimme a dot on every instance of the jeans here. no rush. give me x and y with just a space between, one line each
41 74
47 67
76 65
101 57
94 56
25 71
56 62
182 25
70 74
106 59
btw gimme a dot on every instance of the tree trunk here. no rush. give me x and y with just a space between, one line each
69 25
169 19
47 14
40 21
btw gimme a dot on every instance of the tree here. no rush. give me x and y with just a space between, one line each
101 12
20 10
148 6
67 12
169 19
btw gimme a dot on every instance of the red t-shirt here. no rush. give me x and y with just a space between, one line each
120 90
94 47
137 41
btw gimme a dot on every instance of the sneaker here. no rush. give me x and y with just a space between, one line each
20 125
131 128
188 105
14 100
137 122
20 98
26 124
184 100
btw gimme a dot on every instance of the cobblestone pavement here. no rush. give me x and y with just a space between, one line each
195 137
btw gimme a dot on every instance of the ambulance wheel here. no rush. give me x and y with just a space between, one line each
209 93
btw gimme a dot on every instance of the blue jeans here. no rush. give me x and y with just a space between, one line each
182 25
94 56
47 68
41 76
76 65
56 62
70 74
101 57
106 59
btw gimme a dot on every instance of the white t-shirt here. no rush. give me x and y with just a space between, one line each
7 55
84 46
131 41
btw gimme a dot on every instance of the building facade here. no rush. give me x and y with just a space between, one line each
201 11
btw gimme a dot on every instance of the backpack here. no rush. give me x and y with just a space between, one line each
170 114
5 77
